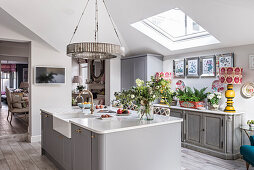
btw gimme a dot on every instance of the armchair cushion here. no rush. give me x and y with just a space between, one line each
248 153
16 101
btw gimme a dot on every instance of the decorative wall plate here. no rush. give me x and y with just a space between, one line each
180 85
217 86
248 90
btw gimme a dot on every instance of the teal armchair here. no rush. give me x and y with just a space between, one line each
247 151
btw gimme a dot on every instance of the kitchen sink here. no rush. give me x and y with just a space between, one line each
61 122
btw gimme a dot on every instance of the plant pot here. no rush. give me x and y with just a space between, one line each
193 105
211 107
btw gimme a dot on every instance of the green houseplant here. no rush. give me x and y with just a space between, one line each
213 100
191 98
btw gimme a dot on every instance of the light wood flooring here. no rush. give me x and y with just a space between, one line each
18 126
22 155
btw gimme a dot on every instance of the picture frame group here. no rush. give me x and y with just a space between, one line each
204 66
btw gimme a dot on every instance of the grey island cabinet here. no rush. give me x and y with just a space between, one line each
125 143
212 132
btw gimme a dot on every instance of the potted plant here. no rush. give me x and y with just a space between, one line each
80 88
251 123
191 99
213 100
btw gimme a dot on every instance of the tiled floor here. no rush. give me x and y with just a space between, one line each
22 155
19 126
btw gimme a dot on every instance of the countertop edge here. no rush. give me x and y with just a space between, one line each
127 128
196 110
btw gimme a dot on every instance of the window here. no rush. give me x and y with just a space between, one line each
175 30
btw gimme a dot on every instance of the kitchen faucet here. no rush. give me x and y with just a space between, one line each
90 94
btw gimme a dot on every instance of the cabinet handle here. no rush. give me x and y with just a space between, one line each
46 116
92 136
203 130
78 130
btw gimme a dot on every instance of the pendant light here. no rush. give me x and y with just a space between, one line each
95 50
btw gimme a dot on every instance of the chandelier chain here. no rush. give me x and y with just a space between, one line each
111 20
76 28
96 21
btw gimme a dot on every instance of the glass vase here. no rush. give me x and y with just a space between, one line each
146 112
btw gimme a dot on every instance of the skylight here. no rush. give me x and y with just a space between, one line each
175 30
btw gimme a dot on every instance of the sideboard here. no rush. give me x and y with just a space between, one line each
215 133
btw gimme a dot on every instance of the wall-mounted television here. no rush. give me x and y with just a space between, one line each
49 75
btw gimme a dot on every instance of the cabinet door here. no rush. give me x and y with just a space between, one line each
58 147
193 127
127 74
140 64
47 129
81 148
179 114
66 153
213 131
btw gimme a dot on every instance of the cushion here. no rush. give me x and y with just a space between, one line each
248 153
17 105
16 98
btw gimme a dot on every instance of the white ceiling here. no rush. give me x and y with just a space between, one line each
230 21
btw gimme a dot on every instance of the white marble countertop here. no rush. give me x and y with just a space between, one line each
114 124
197 110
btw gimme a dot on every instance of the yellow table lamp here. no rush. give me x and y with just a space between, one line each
230 76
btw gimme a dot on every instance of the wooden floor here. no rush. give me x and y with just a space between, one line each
19 126
22 155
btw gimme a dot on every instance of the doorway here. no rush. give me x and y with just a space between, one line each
15 103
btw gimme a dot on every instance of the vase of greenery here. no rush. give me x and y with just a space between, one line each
80 88
213 100
251 124
192 98
144 94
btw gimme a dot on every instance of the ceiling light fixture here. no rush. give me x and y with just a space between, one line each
95 50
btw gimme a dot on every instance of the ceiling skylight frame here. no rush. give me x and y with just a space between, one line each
174 39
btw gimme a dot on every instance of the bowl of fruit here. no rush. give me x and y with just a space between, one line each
105 117
123 112
85 105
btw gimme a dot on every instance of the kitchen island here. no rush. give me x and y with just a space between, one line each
74 140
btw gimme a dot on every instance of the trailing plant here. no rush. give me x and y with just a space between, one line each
189 95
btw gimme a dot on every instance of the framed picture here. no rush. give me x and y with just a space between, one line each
251 62
224 60
192 67
179 68
208 66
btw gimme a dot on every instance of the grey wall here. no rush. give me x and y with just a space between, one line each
241 59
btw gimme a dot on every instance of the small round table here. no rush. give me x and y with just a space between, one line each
247 130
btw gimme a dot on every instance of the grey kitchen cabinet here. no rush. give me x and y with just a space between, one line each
212 132
81 148
193 133
54 144
141 66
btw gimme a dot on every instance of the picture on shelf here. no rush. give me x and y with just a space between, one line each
192 65
224 60
208 66
179 68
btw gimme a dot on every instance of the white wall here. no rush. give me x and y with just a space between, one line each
241 59
41 54
112 78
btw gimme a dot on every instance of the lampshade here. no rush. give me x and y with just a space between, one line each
77 79
23 85
231 75
165 75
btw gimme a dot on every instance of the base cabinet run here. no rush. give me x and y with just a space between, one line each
217 134
54 145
